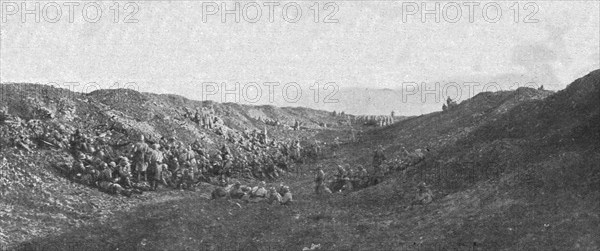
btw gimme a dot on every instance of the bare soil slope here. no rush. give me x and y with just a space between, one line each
516 170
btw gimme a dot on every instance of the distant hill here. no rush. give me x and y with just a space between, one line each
413 98
510 170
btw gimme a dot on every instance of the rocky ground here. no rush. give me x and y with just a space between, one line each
512 170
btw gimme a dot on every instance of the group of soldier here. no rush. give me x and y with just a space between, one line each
146 165
259 193
347 179
374 120
26 135
121 166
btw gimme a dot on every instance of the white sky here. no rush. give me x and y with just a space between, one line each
171 49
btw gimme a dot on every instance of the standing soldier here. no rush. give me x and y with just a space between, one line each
167 176
363 177
157 176
378 172
378 157
155 166
297 150
140 149
319 179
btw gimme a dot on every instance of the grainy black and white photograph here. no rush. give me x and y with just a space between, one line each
299 125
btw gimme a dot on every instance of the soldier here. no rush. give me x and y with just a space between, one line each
274 196
77 170
98 159
236 191
167 176
297 150
281 189
76 141
206 167
319 179
157 176
341 173
219 192
424 195
287 196
260 190
188 175
174 165
105 178
378 157
186 155
125 171
89 178
155 165
112 166
140 150
363 177
179 176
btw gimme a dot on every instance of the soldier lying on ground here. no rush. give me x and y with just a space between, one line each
424 195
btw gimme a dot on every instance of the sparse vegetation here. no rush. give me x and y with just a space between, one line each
512 170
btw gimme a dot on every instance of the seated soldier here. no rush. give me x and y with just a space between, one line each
324 189
274 196
112 166
287 196
77 169
236 191
341 173
424 195
118 189
89 178
247 193
260 190
105 178
125 172
281 189
219 192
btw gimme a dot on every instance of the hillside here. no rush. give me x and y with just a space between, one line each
37 199
510 170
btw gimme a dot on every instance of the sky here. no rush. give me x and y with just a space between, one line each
183 47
